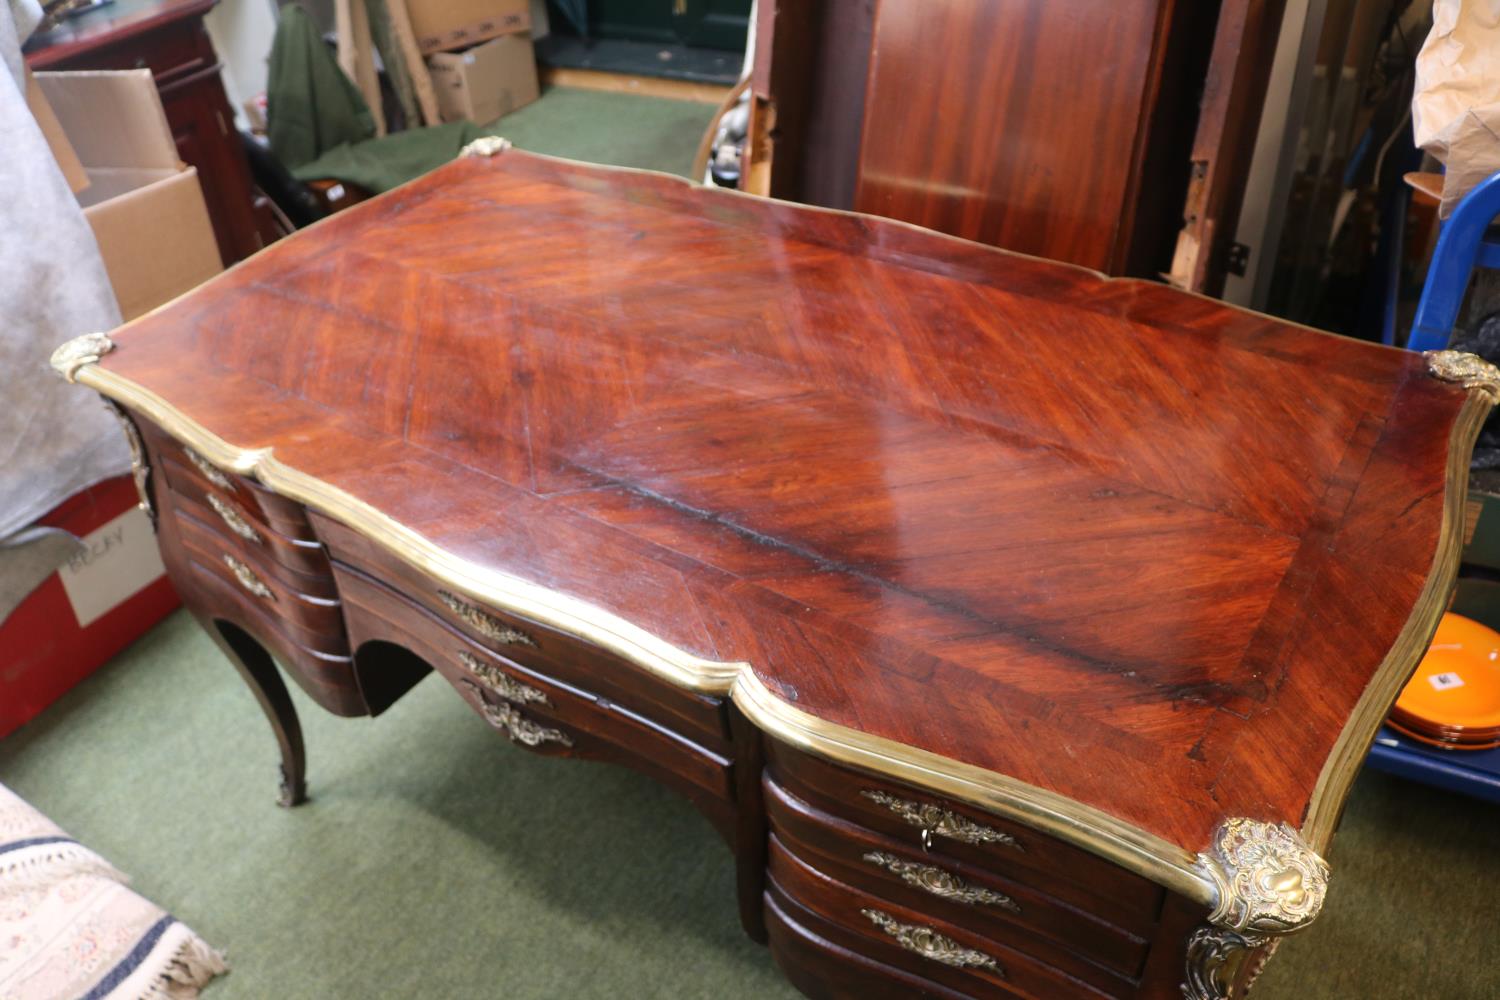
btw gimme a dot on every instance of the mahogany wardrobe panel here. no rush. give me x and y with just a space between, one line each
1107 133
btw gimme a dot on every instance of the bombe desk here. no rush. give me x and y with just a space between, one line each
1020 630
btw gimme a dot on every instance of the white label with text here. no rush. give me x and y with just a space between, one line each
117 561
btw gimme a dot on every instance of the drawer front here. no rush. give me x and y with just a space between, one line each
204 529
271 608
702 718
325 672
1058 934
192 475
970 835
529 705
814 955
915 941
302 556
169 52
311 614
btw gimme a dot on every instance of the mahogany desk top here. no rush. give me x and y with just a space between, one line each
1118 562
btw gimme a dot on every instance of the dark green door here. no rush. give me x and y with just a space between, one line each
706 24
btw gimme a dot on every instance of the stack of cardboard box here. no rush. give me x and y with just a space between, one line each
480 56
111 139
145 206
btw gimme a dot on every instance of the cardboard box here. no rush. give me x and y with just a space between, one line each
86 612
487 81
144 205
449 24
442 25
57 139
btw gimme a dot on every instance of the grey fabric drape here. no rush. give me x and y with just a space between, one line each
55 439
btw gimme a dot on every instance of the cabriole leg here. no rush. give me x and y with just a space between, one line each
259 672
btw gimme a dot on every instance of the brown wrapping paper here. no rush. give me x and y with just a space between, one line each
1456 105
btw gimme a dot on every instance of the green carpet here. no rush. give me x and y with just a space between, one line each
627 130
435 860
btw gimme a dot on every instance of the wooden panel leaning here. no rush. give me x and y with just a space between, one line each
1021 630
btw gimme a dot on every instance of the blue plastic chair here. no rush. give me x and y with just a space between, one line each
1464 244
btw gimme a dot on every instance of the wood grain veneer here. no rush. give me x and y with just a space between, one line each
1093 561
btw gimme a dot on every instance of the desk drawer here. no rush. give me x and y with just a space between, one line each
324 670
1002 909
203 529
534 708
895 935
224 514
192 475
170 52
701 717
813 954
305 615
985 841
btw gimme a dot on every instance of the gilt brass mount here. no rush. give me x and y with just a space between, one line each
1470 370
1269 882
940 882
483 622
937 821
929 943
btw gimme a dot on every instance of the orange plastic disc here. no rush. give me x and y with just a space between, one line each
1439 743
1455 692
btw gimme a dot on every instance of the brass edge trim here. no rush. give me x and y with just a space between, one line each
567 614
1083 826
1348 754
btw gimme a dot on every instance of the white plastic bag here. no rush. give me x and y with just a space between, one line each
1456 107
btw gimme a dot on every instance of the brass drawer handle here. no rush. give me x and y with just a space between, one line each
509 720
485 623
930 944
210 472
500 682
940 882
935 820
248 579
231 517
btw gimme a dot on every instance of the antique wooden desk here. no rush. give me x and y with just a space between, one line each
1022 631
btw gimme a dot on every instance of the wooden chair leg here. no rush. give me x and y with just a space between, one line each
264 679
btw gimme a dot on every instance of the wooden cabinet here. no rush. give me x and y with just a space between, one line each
1091 131
168 38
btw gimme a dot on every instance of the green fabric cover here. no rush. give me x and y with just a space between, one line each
311 106
320 127
380 164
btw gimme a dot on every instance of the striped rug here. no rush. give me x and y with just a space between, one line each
70 929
